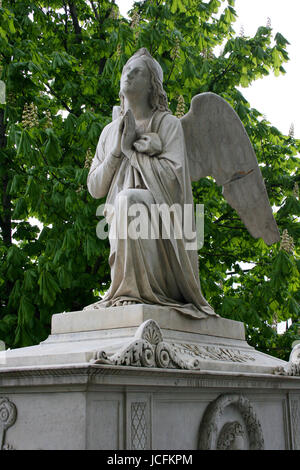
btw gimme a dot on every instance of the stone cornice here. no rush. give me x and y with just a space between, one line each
84 375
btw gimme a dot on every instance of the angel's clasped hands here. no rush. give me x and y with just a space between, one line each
127 142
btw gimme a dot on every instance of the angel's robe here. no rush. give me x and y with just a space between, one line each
149 271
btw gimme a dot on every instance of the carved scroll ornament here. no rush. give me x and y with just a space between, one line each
148 349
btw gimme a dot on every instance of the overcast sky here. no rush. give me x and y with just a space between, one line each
276 97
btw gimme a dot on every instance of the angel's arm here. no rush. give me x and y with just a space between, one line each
149 143
170 148
163 173
103 168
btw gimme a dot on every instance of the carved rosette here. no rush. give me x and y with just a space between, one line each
232 435
148 349
8 416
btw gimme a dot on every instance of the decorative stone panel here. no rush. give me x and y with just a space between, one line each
246 433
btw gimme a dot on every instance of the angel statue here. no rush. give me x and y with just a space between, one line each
148 156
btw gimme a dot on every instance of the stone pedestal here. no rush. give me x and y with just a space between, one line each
145 377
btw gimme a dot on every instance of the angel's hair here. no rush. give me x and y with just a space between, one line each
158 97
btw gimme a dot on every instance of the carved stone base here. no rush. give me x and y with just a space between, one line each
145 336
111 407
198 385
132 316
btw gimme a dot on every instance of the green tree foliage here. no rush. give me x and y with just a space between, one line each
61 62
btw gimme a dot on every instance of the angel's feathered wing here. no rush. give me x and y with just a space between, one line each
218 146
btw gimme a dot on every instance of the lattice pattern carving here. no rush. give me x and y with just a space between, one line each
138 426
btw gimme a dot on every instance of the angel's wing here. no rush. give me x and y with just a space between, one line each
218 146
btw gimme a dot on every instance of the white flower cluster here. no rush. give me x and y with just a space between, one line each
119 50
287 242
30 116
296 191
175 52
292 130
49 122
180 110
135 19
88 158
135 23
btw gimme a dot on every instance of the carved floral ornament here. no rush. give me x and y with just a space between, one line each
233 435
148 349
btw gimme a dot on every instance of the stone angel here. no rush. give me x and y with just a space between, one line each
148 156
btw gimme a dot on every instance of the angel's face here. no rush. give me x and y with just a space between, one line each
135 79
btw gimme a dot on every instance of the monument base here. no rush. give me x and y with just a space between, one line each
116 336
121 378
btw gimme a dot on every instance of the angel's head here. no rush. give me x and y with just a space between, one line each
143 72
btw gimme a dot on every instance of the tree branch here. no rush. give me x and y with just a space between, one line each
229 226
94 9
77 28
65 41
58 97
102 60
229 67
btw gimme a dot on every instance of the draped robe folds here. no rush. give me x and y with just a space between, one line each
149 271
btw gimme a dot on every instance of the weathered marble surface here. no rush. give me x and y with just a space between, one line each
127 171
96 407
147 156
134 315
146 387
142 335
